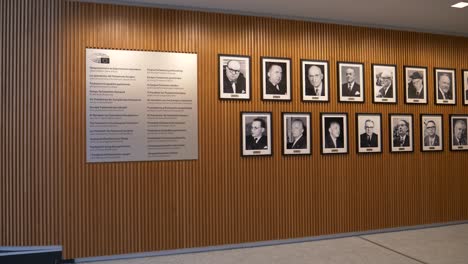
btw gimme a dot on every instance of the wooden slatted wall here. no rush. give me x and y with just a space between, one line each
31 194
49 195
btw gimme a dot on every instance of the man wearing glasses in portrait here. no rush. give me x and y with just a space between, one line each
233 79
431 139
257 139
369 139
386 89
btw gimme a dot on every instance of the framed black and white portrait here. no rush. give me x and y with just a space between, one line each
315 81
465 87
445 86
276 78
369 133
234 77
415 84
458 134
432 129
297 134
401 133
256 134
350 82
334 133
384 83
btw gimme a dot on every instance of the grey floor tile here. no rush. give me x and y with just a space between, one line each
337 251
442 245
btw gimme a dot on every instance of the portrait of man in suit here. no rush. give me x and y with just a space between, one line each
274 79
333 138
350 88
416 86
369 139
299 140
431 139
459 133
402 137
233 79
334 133
466 87
386 82
314 83
257 138
445 88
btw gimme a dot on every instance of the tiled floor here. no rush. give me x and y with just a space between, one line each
441 245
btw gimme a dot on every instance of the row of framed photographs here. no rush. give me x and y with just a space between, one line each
235 81
256 133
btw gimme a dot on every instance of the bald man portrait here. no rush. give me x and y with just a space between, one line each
233 79
444 91
298 135
459 132
350 88
314 81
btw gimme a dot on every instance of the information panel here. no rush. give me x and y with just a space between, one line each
140 106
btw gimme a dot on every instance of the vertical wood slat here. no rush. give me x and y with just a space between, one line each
49 195
29 191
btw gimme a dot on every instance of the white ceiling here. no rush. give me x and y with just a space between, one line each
434 16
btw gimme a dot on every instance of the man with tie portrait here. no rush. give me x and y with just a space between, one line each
386 82
459 133
298 138
314 82
444 91
368 131
431 139
257 139
466 87
416 86
233 79
333 138
402 137
350 88
369 139
334 133
274 83
296 133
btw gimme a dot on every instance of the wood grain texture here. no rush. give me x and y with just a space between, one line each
50 195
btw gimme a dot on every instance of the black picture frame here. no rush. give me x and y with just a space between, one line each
256 153
345 137
390 125
451 116
395 84
441 136
247 81
288 81
464 89
308 133
339 83
358 146
426 84
326 77
454 87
